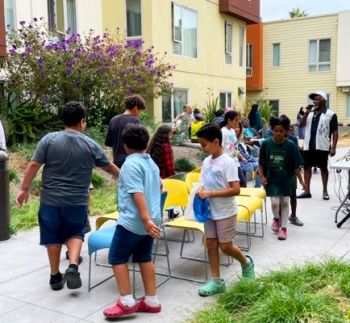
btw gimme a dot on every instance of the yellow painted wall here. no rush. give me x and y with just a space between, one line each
292 82
208 70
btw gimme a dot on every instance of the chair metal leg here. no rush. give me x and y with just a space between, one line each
89 278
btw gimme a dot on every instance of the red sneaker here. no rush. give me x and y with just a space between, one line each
282 235
119 310
275 225
142 306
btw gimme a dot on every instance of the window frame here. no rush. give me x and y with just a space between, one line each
126 22
228 54
226 93
348 106
249 60
181 42
72 30
273 55
14 17
172 101
242 37
317 63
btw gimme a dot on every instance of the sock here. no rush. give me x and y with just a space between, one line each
216 280
74 266
56 278
128 300
152 300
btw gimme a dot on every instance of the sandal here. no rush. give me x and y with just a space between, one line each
119 310
212 288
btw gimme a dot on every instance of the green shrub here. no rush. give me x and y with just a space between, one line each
148 121
201 155
98 180
13 175
184 165
36 186
97 133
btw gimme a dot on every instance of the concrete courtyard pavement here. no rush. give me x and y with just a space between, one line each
25 295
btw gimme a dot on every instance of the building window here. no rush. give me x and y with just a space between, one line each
71 17
249 59
133 18
320 55
225 99
276 55
241 45
51 14
9 14
184 31
348 107
228 42
275 107
172 106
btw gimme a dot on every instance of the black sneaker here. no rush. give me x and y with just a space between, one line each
57 281
80 258
325 196
295 220
304 196
72 277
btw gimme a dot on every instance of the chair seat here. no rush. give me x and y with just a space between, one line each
100 239
183 223
243 214
251 203
253 191
106 217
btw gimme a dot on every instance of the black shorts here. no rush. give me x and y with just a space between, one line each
318 158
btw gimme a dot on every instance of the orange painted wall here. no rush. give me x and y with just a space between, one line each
255 38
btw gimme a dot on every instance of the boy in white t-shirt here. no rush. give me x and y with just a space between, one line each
221 183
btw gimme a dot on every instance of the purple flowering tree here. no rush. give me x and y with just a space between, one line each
44 71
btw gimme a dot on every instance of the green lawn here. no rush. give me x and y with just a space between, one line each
313 293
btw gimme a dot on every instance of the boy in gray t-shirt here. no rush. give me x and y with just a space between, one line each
68 157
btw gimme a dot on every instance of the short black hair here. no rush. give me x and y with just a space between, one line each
281 121
210 132
72 113
135 100
135 136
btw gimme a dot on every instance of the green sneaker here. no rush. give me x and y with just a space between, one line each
248 271
212 288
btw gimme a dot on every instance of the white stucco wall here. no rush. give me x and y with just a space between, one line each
89 16
343 51
28 9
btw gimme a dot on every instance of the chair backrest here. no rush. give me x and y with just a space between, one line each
163 197
191 178
177 193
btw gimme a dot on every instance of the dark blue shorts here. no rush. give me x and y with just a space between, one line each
126 243
58 224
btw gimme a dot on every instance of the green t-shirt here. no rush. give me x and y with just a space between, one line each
279 162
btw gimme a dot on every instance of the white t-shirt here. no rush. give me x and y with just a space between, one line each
2 137
216 174
230 143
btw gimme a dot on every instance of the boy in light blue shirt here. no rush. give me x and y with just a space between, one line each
138 224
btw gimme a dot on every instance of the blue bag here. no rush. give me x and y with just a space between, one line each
201 209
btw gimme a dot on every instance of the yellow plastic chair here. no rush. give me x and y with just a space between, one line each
177 193
253 204
244 215
106 217
255 192
191 178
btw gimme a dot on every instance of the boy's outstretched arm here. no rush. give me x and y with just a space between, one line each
151 228
31 171
233 189
111 169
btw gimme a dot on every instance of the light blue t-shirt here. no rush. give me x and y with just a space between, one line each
139 174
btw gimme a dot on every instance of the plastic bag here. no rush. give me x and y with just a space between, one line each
189 214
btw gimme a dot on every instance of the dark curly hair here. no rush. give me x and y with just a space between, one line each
135 100
155 147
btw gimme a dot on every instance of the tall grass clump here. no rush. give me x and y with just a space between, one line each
316 292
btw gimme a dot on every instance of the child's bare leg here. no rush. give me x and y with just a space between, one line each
148 277
228 248
74 248
54 254
284 205
275 205
121 274
213 255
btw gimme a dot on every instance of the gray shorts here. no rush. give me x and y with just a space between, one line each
224 230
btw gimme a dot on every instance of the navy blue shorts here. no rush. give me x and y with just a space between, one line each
126 243
58 224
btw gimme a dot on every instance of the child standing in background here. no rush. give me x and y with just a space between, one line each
161 152
279 160
221 183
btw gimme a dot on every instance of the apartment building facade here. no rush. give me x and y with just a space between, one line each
298 56
205 39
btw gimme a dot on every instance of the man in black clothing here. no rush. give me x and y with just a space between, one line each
134 104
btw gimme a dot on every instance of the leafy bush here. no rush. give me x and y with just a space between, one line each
201 155
97 133
184 165
148 121
212 105
98 180
45 70
266 110
13 175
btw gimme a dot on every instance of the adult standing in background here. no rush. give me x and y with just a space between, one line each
301 130
321 137
134 105
254 117
2 138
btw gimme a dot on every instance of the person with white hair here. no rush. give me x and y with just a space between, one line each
321 137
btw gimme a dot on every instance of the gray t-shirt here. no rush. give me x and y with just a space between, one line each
69 157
